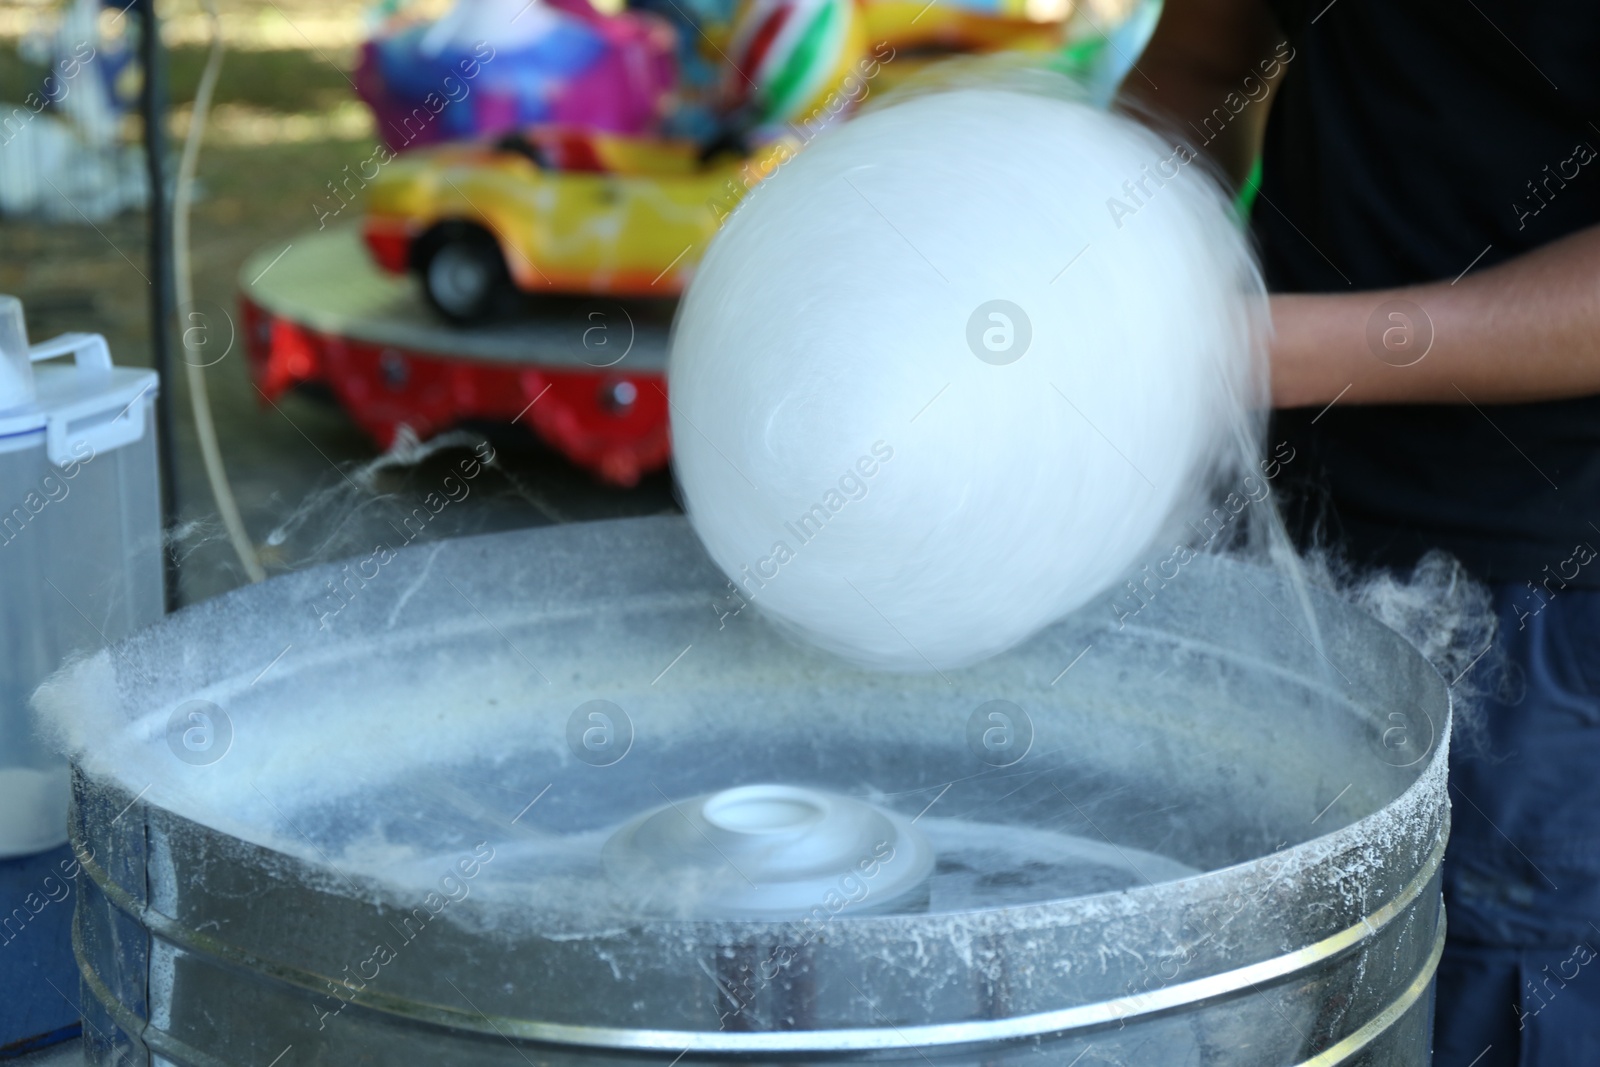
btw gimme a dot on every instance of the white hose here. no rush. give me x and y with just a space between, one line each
199 398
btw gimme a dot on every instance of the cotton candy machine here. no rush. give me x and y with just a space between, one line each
561 797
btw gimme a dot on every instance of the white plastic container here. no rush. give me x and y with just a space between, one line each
80 542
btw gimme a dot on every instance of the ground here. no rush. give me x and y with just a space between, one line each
285 123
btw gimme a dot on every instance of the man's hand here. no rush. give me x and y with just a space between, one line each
1527 329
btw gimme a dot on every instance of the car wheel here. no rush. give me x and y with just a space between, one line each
465 277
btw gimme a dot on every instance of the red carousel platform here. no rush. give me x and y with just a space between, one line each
588 376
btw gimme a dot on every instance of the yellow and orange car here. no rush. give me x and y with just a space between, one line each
557 211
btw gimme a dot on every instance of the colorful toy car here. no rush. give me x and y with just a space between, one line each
572 209
553 211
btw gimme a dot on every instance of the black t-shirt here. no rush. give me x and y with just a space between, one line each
1409 141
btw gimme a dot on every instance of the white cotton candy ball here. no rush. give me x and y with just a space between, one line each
956 367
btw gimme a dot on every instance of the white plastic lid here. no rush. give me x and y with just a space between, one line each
773 851
87 407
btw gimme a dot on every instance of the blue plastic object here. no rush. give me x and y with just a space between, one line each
38 976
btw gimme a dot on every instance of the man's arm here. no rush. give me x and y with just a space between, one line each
1528 329
1206 57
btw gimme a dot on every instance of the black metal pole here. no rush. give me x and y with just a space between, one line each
163 295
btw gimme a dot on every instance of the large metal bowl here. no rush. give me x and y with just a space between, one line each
367 835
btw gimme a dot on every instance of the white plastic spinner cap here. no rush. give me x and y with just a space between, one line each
772 851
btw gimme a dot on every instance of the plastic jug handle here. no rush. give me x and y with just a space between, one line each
88 350
88 421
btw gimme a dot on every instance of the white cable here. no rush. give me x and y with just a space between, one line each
199 398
